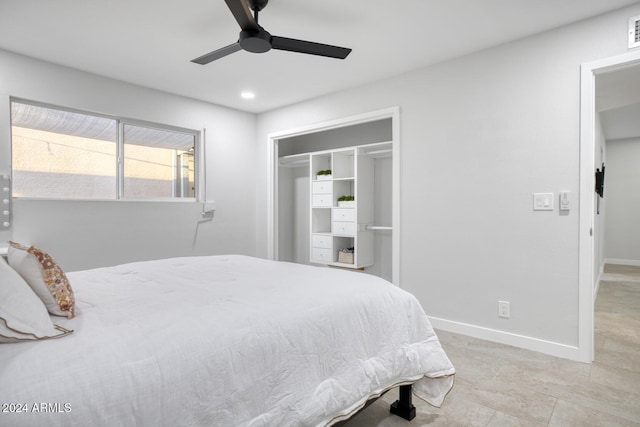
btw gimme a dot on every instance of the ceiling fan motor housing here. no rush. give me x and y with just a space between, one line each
255 41
257 4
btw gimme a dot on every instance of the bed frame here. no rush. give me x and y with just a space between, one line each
403 407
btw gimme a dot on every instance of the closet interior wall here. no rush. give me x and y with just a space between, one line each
294 183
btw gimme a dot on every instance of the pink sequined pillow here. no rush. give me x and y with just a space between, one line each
45 277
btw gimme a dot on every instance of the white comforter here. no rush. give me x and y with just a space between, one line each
222 341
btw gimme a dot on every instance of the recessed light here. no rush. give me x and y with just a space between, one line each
248 95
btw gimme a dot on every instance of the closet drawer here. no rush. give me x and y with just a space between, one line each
321 241
344 214
321 187
323 255
322 200
344 228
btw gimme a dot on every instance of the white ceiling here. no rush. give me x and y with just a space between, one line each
621 123
151 42
618 102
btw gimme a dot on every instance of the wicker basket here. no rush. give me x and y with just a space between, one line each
345 258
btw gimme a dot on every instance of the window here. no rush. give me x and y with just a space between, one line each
158 163
75 155
62 154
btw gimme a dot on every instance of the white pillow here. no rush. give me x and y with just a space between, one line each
45 277
22 315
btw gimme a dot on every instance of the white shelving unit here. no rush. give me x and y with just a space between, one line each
334 227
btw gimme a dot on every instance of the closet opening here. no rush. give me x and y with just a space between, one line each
336 195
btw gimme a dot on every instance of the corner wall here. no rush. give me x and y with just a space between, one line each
622 192
89 234
479 135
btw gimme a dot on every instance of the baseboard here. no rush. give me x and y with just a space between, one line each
596 286
634 262
535 344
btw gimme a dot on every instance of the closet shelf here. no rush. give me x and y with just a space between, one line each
295 160
352 176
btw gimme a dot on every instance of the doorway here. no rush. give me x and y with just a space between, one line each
618 111
591 225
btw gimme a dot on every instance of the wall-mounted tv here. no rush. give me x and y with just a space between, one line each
600 181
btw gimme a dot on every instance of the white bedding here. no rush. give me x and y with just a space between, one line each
222 341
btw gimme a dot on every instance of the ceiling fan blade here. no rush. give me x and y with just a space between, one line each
217 54
242 13
301 46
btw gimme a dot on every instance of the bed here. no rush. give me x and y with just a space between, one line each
225 340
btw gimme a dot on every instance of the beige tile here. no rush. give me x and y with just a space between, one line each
498 385
555 372
627 270
612 401
599 342
480 367
567 414
509 398
624 348
621 379
619 326
457 410
504 420
617 354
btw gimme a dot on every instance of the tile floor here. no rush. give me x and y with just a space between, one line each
499 385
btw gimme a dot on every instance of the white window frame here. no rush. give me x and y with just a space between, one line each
120 143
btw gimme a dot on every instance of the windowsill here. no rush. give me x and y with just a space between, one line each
158 200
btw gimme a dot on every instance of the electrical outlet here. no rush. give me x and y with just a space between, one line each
504 309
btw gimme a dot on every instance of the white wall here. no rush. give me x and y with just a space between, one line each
294 200
88 234
479 135
341 137
382 213
622 193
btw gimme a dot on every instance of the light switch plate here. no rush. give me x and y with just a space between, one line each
565 200
542 201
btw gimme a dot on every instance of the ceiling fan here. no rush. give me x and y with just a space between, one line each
254 38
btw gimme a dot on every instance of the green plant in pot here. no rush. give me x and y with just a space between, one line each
324 174
346 201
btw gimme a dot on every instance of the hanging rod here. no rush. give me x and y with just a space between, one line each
378 227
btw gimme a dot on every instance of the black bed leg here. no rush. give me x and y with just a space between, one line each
403 406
